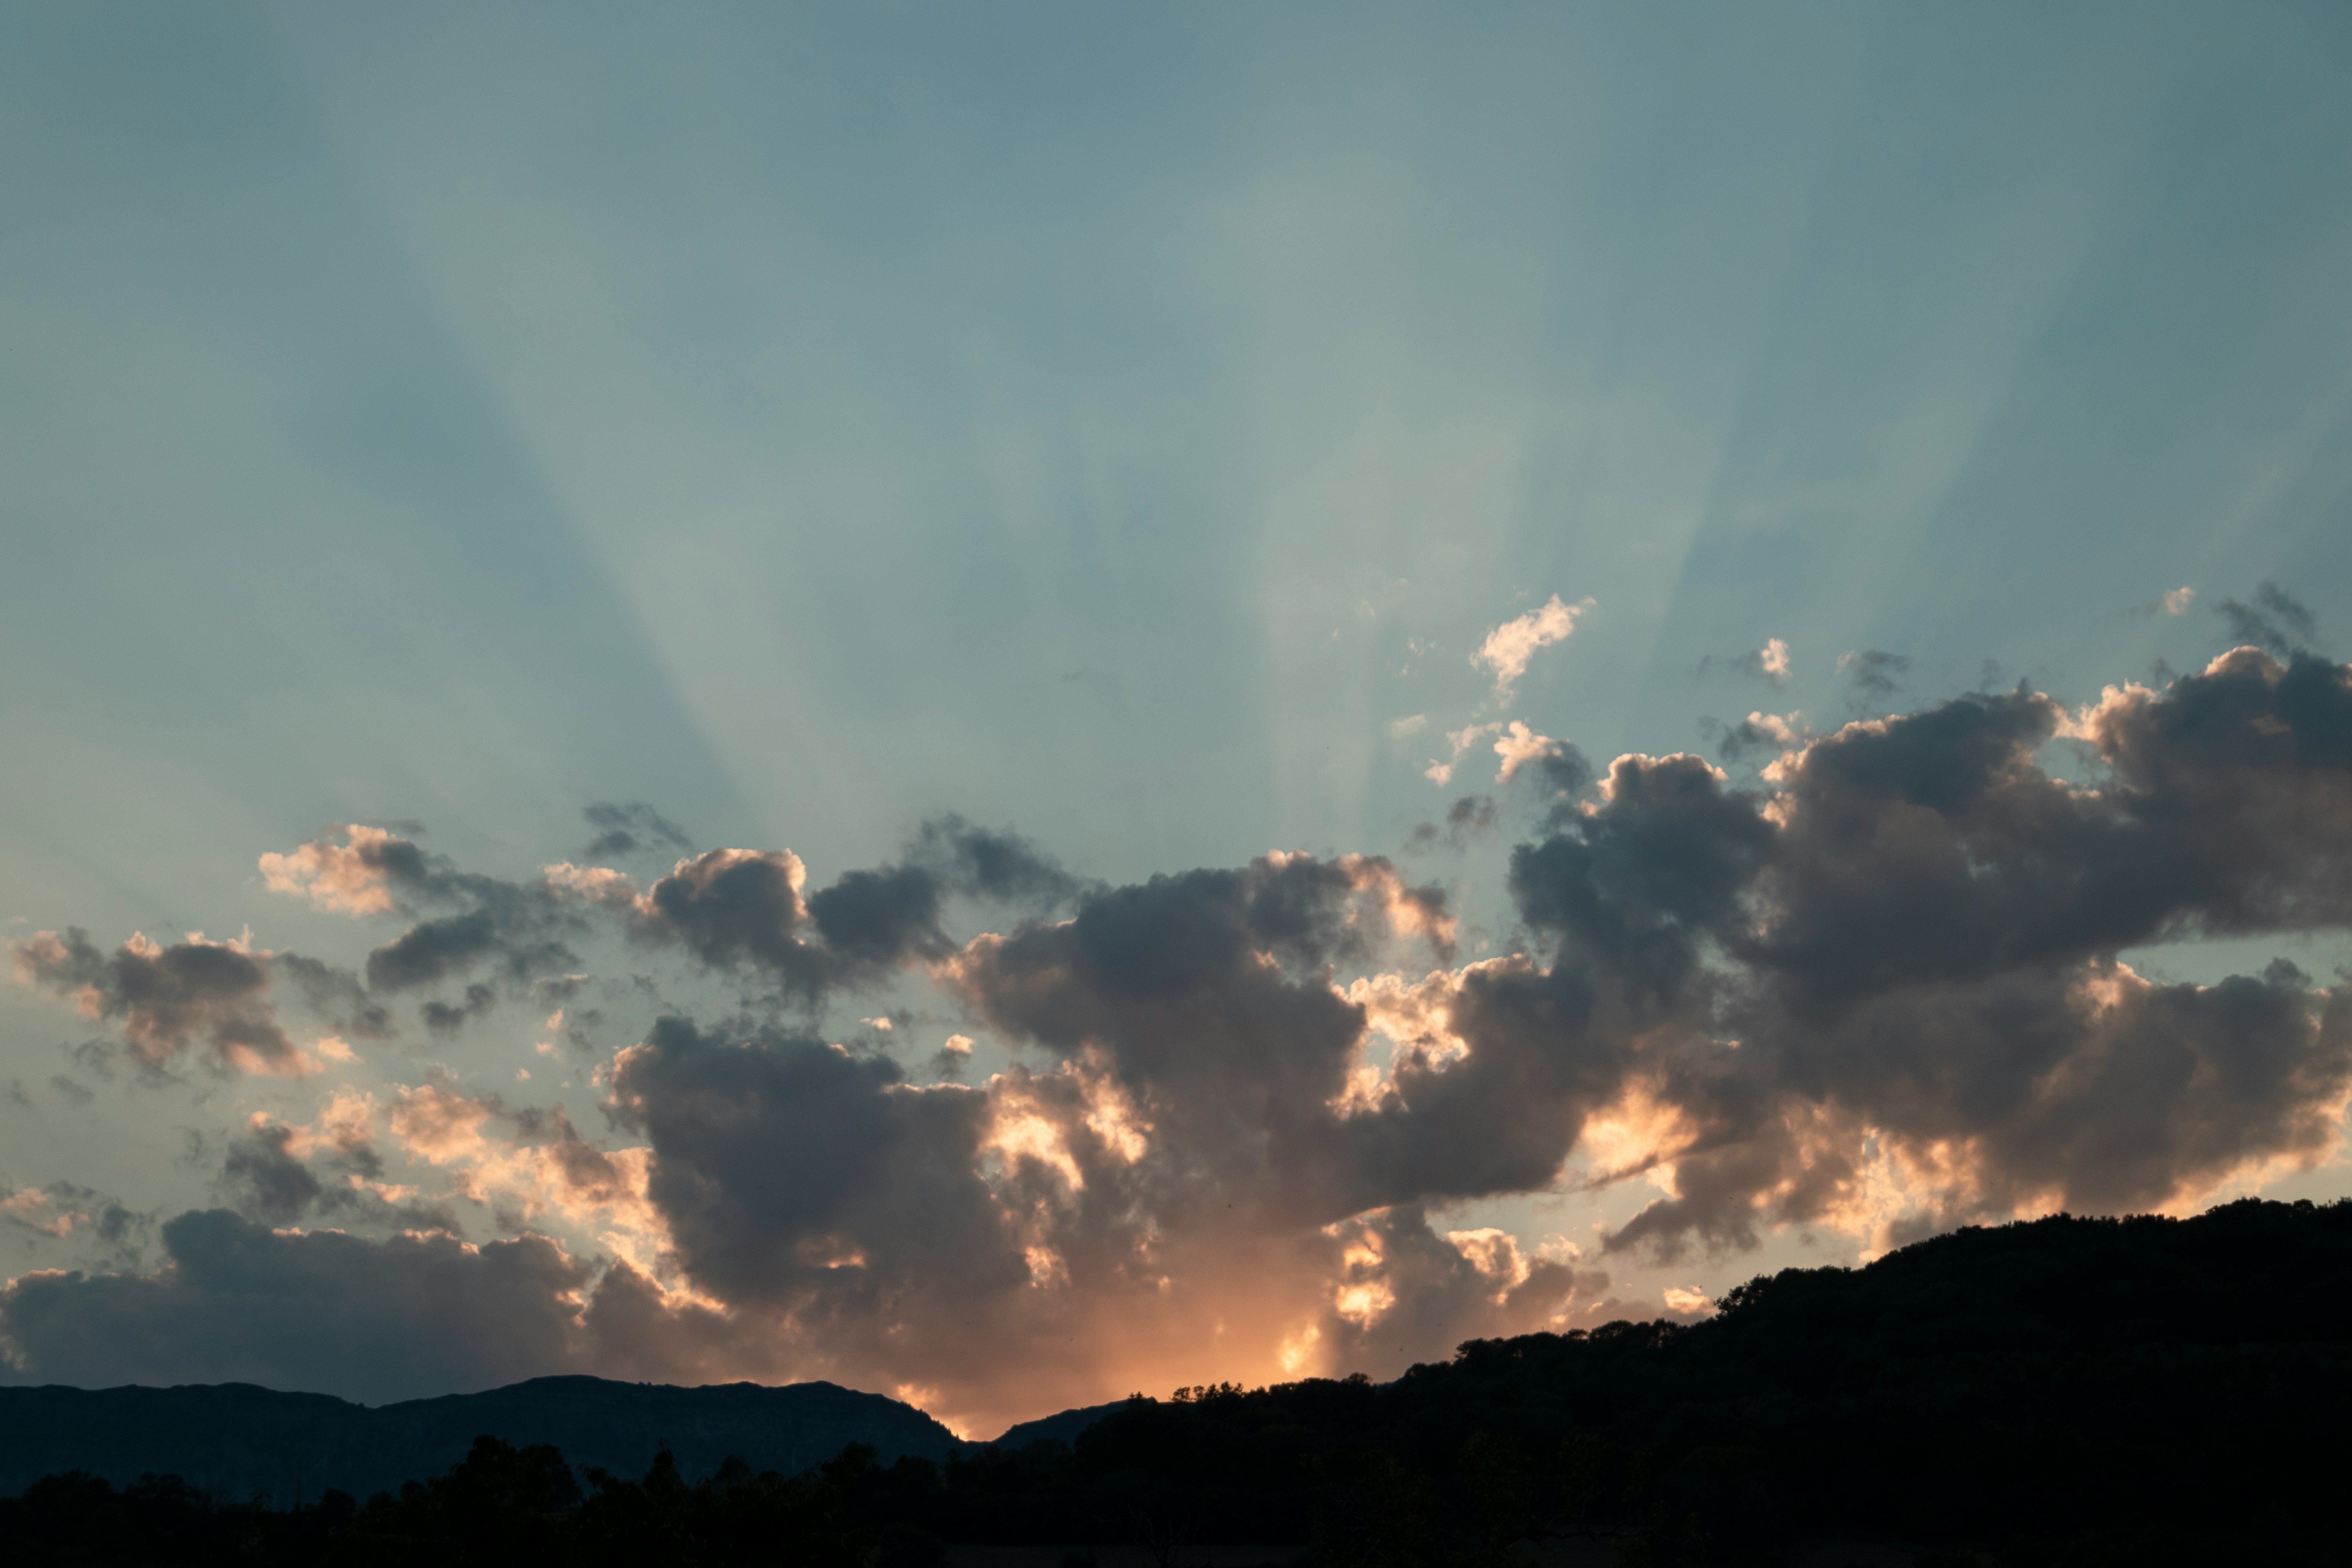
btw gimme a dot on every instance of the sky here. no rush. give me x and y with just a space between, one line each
1018 703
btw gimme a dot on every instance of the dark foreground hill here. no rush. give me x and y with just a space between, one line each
1064 1426
235 1439
2071 1391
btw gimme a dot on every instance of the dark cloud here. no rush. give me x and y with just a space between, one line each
278 1175
407 1316
999 866
874 921
730 908
1873 676
1913 942
626 829
73 1092
1876 988
768 1151
1565 769
212 995
517 928
738 908
95 1058
445 1018
336 994
1758 735
1208 997
1935 847
2276 622
516 940
263 1180
558 990
1643 881
969 1237
1467 819
433 951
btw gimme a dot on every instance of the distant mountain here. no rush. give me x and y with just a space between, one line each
1064 1427
235 1438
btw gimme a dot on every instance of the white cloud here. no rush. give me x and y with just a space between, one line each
1520 747
346 879
2177 601
1441 772
1509 647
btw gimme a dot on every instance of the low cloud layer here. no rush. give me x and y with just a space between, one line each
1878 991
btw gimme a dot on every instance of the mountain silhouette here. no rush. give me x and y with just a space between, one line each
235 1438
1063 1426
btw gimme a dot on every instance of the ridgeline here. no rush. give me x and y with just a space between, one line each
2079 1391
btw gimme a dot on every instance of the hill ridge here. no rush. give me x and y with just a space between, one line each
237 1438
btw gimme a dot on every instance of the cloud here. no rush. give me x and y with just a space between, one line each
363 875
1520 746
1769 662
335 994
212 995
264 1180
2172 602
1466 820
521 930
1876 988
953 1056
370 1320
2276 622
626 829
1763 734
1872 675
515 927
447 1018
1921 926
1509 647
735 908
1440 773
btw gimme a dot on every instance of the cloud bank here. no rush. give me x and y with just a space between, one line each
1880 991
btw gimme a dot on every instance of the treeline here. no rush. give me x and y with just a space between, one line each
499 1505
2070 1390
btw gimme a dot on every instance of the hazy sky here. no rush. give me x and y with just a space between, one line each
1125 429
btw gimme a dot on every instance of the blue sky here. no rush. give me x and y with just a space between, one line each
1116 423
